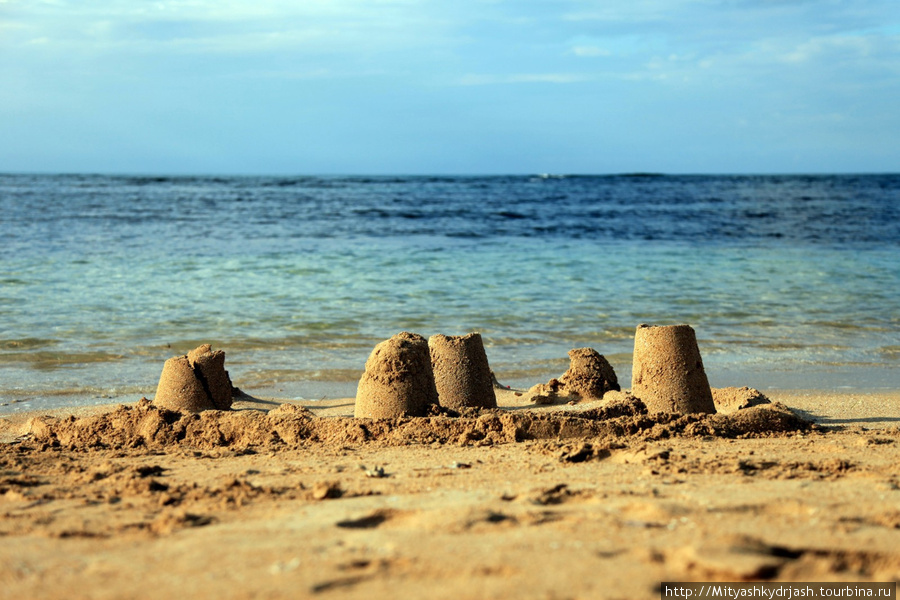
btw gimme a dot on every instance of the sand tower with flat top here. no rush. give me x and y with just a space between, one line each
668 372
461 371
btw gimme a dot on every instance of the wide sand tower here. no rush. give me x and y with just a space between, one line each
398 380
461 371
668 372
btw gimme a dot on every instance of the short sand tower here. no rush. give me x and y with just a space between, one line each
461 371
398 380
668 373
195 382
589 376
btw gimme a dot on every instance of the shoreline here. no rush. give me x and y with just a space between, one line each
842 408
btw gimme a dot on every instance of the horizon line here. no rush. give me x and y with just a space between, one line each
547 175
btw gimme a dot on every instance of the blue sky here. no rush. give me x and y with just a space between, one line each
408 86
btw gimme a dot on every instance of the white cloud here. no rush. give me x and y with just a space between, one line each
590 51
837 47
210 10
225 26
475 79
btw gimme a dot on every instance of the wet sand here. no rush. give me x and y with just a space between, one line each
521 502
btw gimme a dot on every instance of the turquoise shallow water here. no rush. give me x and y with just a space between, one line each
103 278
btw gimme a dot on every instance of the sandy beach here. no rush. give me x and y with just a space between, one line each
290 500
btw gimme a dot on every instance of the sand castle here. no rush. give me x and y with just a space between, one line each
398 380
406 375
461 371
195 382
668 374
589 375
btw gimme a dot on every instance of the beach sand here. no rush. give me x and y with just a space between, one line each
525 501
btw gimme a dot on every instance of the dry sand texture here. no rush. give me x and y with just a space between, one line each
596 500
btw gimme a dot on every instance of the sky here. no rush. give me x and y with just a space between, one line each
449 87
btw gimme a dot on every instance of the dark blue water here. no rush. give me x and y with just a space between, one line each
831 210
790 281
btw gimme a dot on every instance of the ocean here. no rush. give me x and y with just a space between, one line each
791 282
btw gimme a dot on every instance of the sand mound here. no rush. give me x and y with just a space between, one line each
731 399
461 371
757 420
546 393
398 380
589 375
668 372
619 404
147 425
195 382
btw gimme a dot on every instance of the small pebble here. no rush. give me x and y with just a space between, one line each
376 472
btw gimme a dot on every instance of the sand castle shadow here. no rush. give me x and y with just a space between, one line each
810 416
841 421
257 404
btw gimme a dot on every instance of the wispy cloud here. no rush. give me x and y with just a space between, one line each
590 51
228 26
559 78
